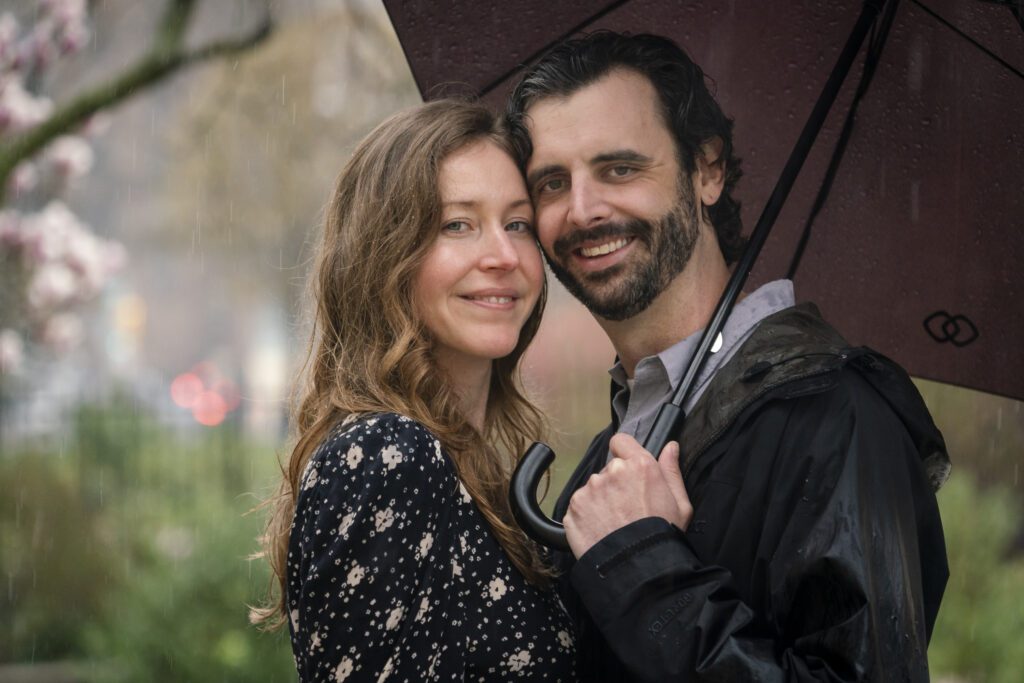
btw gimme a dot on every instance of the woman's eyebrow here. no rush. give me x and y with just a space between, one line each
472 204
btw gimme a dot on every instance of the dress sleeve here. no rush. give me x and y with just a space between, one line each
371 589
844 582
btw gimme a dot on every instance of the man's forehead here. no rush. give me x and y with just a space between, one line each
617 111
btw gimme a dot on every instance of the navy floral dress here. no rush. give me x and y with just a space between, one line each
394 575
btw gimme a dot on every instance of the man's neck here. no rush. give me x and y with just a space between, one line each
685 306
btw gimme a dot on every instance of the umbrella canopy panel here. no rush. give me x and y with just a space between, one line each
918 252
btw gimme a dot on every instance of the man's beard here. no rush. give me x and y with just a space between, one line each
670 243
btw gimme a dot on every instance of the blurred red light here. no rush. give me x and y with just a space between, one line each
209 409
185 389
229 392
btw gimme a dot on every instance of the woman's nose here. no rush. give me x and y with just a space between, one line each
499 250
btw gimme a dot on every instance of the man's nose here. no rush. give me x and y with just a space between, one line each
587 206
498 250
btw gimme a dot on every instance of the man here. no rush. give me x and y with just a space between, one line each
797 537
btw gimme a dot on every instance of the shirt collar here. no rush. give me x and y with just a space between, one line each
759 304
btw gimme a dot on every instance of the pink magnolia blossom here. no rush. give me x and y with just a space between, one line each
70 156
12 352
19 109
62 332
8 39
10 229
45 234
52 285
23 178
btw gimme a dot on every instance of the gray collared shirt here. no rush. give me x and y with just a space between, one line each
637 401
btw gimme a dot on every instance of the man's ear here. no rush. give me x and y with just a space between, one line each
711 171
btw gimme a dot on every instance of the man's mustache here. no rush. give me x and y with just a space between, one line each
638 228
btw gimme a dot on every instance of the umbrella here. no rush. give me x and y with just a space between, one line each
917 250
906 227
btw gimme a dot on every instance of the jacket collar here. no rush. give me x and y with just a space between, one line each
793 353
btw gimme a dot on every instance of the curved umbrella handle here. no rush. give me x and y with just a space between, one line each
523 497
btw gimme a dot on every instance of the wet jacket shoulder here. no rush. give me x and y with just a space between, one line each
815 551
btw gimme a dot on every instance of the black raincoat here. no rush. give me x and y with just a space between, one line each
815 552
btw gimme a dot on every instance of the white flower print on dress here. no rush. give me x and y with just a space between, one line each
564 639
383 519
391 456
424 606
518 661
496 588
388 667
371 538
343 669
354 456
395 618
310 479
346 524
355 575
426 543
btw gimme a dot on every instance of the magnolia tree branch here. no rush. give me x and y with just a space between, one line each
167 56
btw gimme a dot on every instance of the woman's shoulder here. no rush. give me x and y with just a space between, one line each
378 443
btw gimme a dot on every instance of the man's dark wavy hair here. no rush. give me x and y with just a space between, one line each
691 112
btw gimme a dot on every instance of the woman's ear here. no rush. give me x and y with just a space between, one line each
711 171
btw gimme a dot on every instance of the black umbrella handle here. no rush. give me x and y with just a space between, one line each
523 497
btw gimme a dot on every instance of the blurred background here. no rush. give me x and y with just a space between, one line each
165 165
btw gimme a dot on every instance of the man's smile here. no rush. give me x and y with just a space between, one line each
604 248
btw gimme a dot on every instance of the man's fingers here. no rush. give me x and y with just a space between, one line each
669 465
626 447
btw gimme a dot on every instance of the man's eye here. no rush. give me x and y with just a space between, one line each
519 226
551 185
621 171
455 226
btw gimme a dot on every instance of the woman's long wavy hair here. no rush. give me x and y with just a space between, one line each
369 351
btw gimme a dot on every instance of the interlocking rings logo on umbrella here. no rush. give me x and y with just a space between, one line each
958 330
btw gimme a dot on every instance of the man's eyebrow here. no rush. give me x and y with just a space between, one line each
621 155
617 155
537 174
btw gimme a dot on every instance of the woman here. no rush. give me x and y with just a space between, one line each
392 539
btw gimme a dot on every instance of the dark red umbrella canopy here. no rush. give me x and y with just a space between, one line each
918 251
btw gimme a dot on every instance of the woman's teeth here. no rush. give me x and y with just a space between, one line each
493 299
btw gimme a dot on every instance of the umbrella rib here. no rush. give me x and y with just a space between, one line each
1010 67
871 60
575 29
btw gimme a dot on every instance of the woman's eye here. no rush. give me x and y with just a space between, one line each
519 226
455 226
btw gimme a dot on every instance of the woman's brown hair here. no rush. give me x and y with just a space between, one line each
368 351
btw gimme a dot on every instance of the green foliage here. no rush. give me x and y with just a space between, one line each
54 564
127 549
123 548
978 632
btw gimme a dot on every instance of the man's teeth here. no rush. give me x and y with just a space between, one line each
602 249
493 299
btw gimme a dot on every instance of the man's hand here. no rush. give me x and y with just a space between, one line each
632 486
